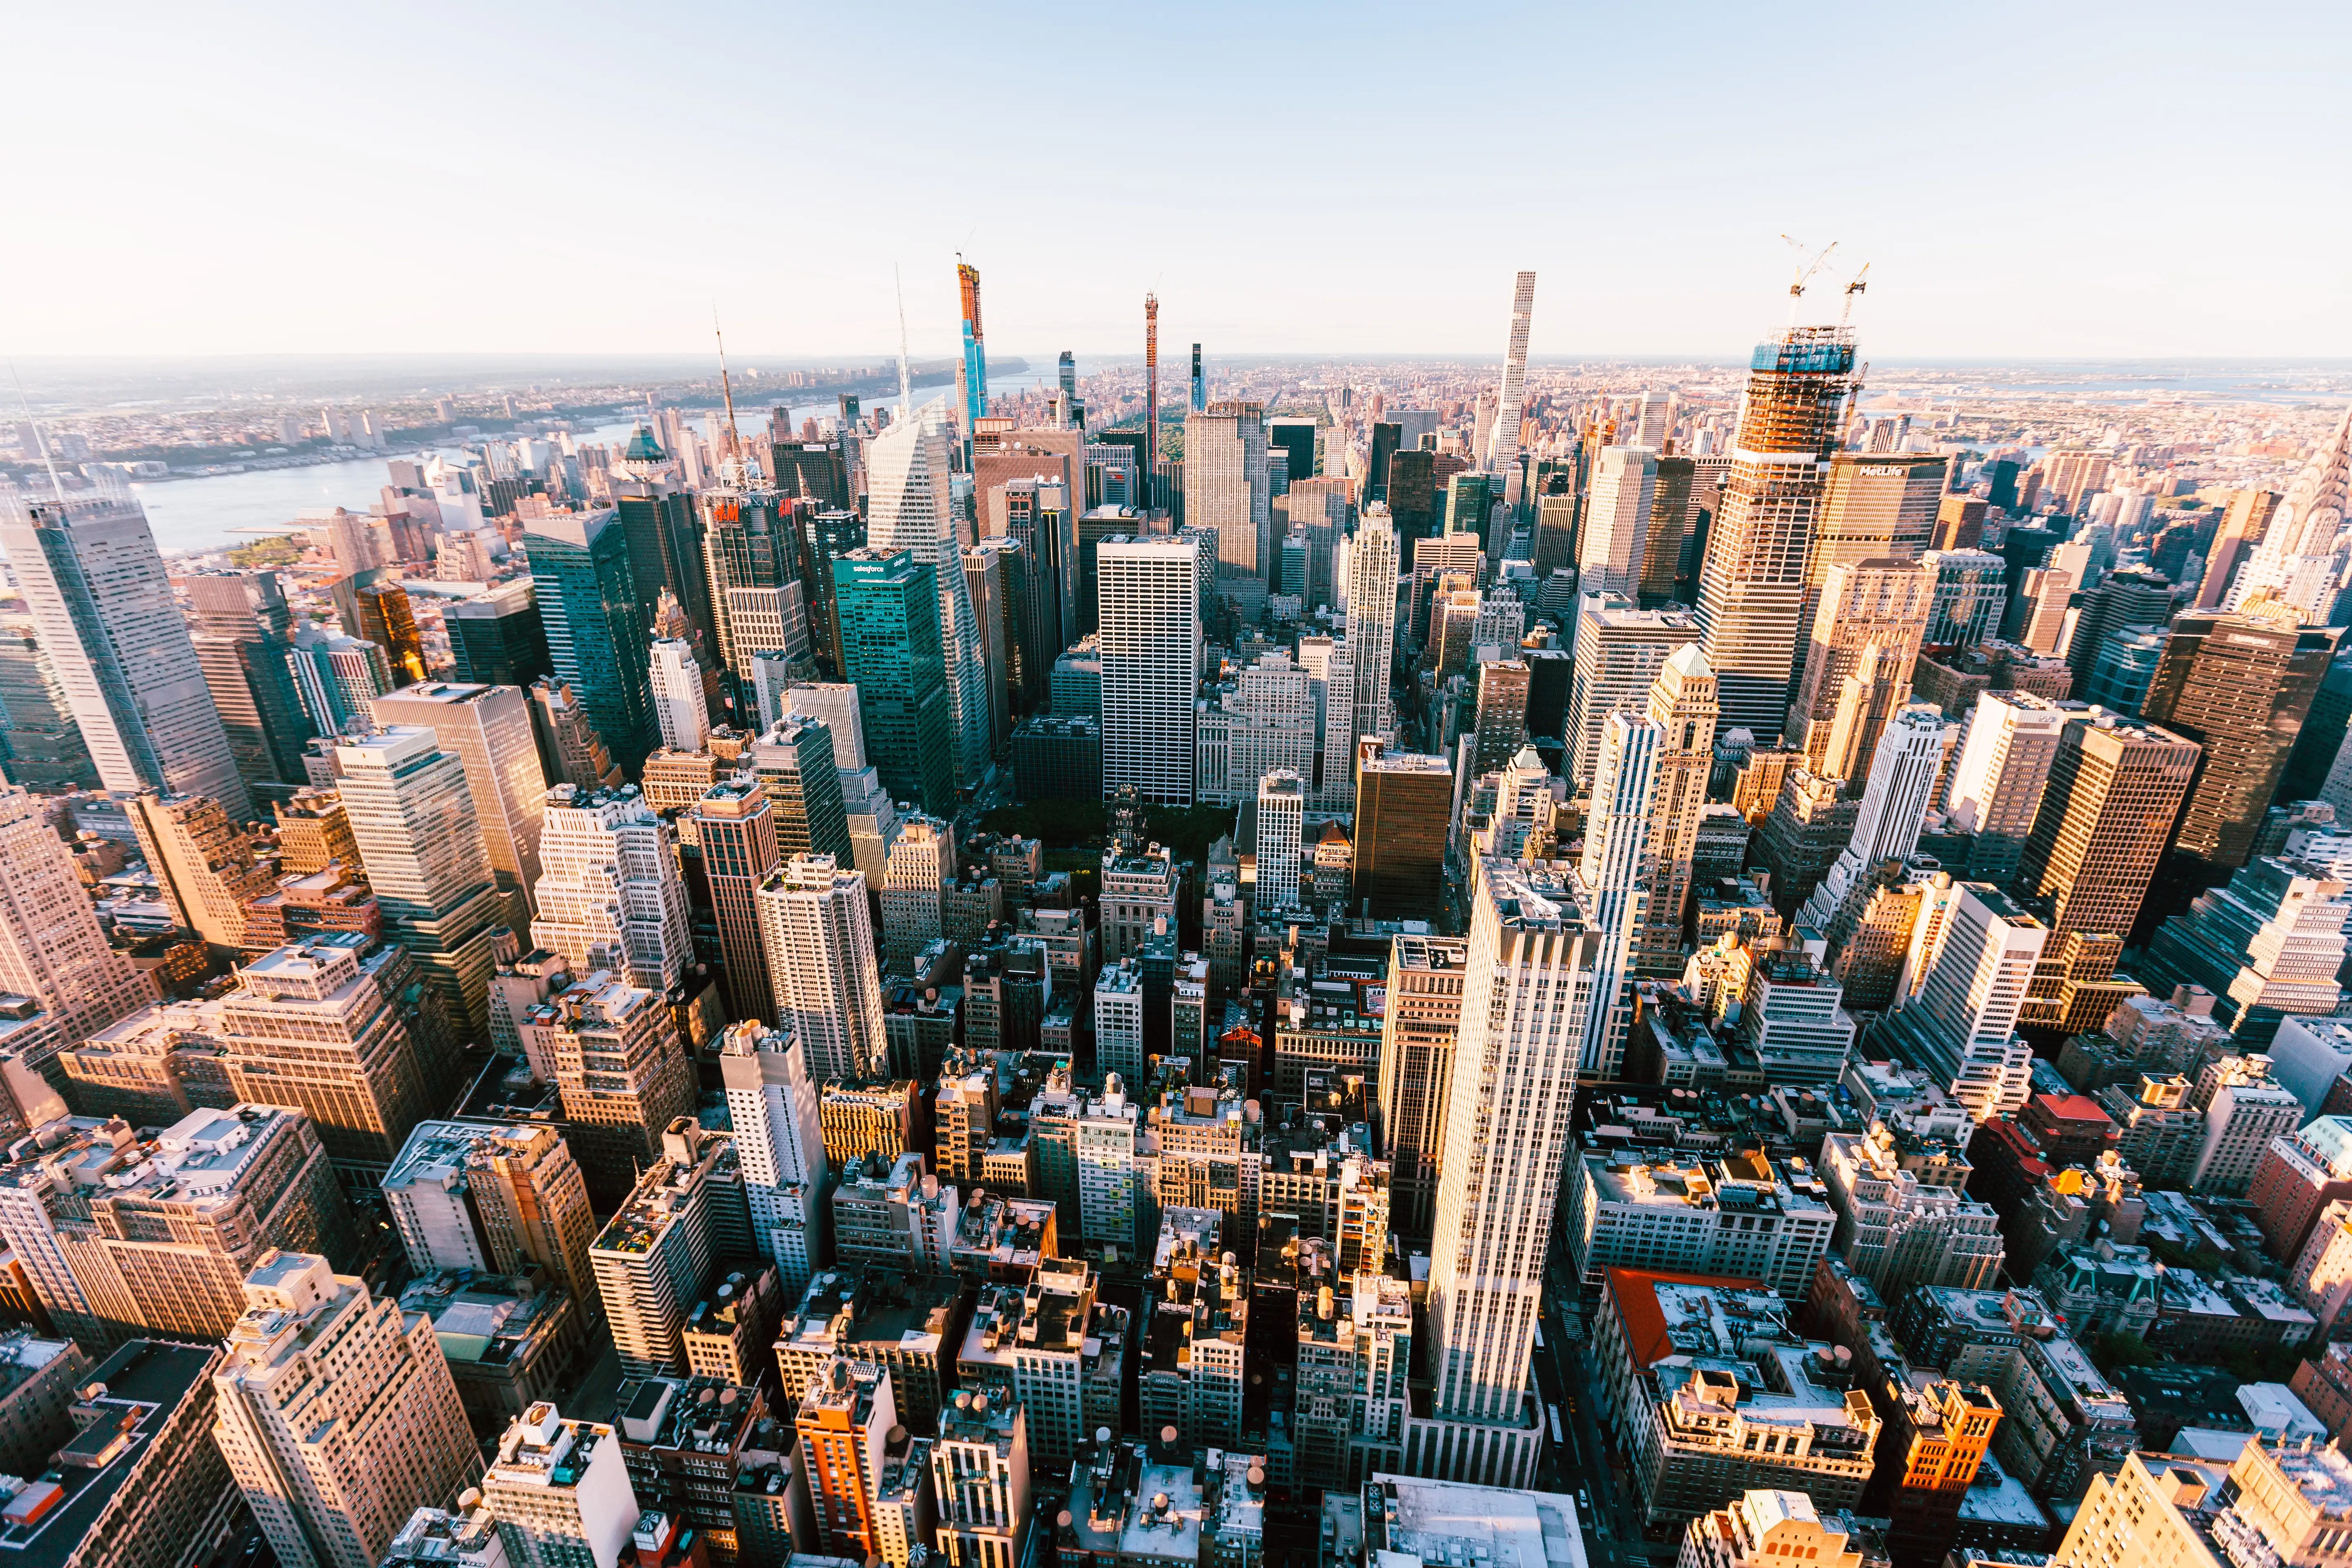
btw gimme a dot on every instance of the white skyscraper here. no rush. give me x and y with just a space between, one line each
1620 651
2304 558
1149 598
1617 520
1118 1019
1902 773
1614 878
1961 1024
922 862
1281 828
911 508
1503 446
1528 986
96 585
488 729
1372 614
52 948
1996 781
779 1139
611 882
1331 666
678 705
819 936
835 702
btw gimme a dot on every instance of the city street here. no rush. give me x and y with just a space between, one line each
1585 1467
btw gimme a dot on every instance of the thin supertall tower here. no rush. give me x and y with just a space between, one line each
1752 583
975 350
1200 385
1502 446
1150 390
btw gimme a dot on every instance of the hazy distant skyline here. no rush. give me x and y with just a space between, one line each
2107 181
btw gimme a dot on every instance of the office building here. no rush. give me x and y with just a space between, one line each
596 616
1751 582
560 1493
494 1198
610 897
497 638
979 1473
1740 1214
680 713
91 575
909 510
337 1412
569 750
2268 946
736 828
1059 1347
488 729
1371 590
203 865
242 630
1875 506
2244 1111
1904 1217
2277 1502
1612 546
1960 1025
921 865
1150 630
1528 991
1404 807
2240 686
663 1251
1762 1526
779 1142
817 935
1281 806
1893 810
1416 1066
40 744
1683 707
1620 651
1710 1392
1228 485
846 1414
1878 606
1609 878
2011 743
891 639
52 949
411 815
2114 791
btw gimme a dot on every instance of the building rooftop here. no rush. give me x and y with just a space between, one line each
1407 1521
542 1450
45 1520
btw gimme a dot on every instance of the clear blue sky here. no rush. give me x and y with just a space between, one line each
2026 180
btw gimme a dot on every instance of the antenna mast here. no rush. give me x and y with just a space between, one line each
906 380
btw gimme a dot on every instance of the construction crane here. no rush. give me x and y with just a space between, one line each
1861 282
1805 271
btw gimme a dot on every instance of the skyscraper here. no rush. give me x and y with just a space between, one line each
596 616
488 729
242 631
2011 743
1528 991
975 350
1683 706
1902 773
2115 790
774 1106
497 638
52 948
1227 486
1371 616
472 1194
1611 549
736 828
817 929
890 604
909 509
204 866
1281 824
1404 807
1876 506
1619 652
680 713
389 621
1150 600
2239 685
1961 1024
767 594
611 895
2305 556
413 821
40 744
96 585
1502 452
799 764
1752 581
657 518
1880 603
337 1414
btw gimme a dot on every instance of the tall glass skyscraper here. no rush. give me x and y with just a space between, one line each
889 608
96 585
909 509
596 619
1752 583
975 349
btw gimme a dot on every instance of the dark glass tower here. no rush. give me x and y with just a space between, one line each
595 620
497 638
889 608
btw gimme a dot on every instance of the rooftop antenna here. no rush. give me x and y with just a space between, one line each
39 440
906 382
725 391
1805 271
